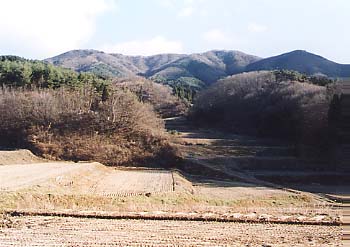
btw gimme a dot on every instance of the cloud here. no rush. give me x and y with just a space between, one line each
156 45
185 8
41 28
217 36
186 12
256 28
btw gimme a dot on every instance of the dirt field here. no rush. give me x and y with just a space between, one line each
78 178
119 182
18 157
56 231
20 176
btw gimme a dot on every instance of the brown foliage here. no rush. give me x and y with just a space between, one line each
260 104
78 125
158 95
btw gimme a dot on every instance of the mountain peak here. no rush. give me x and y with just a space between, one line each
303 62
300 52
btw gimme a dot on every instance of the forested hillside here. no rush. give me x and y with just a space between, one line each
269 104
303 62
61 114
20 72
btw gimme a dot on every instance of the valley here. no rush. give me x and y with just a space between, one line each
174 123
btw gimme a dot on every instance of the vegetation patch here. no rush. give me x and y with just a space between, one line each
20 72
161 97
82 124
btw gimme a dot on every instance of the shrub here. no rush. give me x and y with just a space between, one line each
159 96
78 125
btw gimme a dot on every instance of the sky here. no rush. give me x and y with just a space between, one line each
40 29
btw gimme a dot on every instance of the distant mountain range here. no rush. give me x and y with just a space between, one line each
195 70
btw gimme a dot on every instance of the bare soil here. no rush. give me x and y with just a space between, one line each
18 157
133 182
57 231
25 175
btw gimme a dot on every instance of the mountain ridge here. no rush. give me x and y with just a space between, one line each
195 69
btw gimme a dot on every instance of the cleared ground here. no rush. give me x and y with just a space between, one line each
82 178
18 157
56 231
119 182
20 176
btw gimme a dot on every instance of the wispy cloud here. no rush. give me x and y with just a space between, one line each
156 45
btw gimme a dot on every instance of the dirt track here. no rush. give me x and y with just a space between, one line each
55 231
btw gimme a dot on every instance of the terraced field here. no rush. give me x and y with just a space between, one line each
258 161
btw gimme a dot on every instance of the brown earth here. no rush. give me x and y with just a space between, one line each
18 157
57 231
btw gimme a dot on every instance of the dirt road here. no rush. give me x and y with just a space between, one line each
56 231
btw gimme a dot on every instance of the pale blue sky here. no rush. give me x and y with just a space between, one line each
44 28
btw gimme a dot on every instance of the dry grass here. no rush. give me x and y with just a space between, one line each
169 202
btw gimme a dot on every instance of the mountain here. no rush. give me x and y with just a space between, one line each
194 69
303 62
